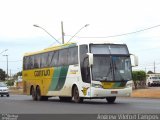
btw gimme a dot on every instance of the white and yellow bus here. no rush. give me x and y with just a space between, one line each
78 72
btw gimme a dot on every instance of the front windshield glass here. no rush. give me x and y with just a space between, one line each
111 62
101 68
122 68
111 68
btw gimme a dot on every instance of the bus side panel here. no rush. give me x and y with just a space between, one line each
65 78
37 77
58 78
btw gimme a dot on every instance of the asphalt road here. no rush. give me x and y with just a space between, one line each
21 104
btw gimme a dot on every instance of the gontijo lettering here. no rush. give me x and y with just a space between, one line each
42 73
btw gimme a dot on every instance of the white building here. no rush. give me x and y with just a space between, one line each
153 79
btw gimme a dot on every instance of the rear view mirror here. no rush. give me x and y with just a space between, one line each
134 60
90 55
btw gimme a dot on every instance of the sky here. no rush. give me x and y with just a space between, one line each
105 18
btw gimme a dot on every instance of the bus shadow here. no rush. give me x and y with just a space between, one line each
85 102
94 102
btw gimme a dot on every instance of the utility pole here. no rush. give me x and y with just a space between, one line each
10 73
154 68
145 69
7 64
62 32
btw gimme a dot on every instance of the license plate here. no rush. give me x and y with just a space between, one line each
114 92
107 85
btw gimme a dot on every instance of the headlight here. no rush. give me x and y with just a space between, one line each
129 84
96 85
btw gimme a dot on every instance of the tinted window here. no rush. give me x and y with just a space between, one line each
63 57
53 59
100 49
73 55
109 49
101 69
30 62
118 49
44 60
68 56
84 62
25 63
37 61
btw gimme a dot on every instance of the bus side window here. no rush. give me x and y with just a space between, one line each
44 62
37 61
63 57
53 59
73 56
25 63
30 62
84 61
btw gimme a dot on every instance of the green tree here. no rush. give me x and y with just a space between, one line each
18 74
139 78
2 75
10 82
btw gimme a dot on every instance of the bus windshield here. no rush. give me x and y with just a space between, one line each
122 68
111 62
111 68
101 69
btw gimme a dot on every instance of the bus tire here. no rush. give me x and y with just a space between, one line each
76 97
111 99
33 93
38 94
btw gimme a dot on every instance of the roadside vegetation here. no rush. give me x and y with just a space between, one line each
139 79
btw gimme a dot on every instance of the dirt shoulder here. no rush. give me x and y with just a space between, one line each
152 92
16 91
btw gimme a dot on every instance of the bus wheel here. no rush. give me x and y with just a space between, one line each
149 85
33 93
110 99
38 94
76 97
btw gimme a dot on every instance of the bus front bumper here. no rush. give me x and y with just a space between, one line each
100 92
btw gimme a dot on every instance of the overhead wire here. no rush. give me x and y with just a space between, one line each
123 34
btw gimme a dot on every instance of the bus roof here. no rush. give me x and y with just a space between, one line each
62 46
57 47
